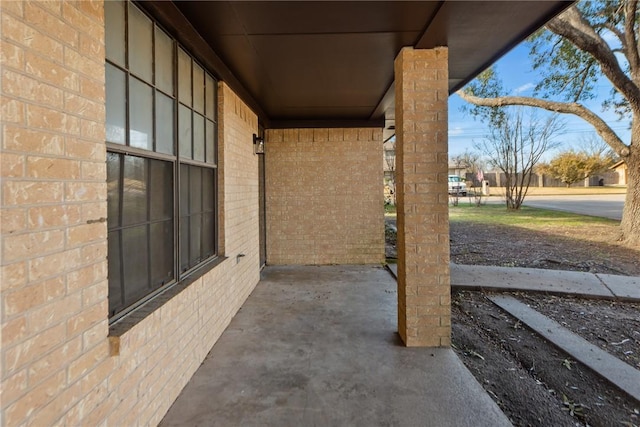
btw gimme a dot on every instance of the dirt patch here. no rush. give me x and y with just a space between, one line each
534 382
556 248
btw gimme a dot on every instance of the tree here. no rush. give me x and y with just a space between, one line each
390 169
515 144
575 166
589 39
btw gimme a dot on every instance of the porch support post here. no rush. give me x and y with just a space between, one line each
424 293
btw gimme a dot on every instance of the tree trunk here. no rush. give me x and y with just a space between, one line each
630 224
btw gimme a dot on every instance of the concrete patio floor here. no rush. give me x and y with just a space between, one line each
317 346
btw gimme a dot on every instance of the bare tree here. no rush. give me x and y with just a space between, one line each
589 39
515 144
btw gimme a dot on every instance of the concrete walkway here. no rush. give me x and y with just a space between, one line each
317 346
575 283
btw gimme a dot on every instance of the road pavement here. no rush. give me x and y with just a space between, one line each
602 205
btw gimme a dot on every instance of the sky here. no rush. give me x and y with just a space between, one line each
519 78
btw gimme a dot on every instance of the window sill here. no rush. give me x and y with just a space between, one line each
125 324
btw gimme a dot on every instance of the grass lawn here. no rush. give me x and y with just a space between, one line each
527 217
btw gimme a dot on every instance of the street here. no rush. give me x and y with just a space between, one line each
602 205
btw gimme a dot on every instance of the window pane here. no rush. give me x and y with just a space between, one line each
135 254
161 253
198 88
198 137
114 31
184 136
207 190
113 190
140 115
134 209
164 62
116 108
161 189
115 275
184 77
210 142
195 236
195 189
184 190
184 243
208 235
140 44
164 124
210 92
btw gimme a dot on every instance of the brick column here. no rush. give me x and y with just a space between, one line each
424 302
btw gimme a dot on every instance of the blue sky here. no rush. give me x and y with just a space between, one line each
519 78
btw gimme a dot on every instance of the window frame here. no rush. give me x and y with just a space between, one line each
210 121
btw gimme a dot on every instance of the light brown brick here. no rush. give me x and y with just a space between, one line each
25 87
94 171
11 56
32 141
11 165
85 233
54 216
13 276
86 319
41 18
14 330
36 398
28 245
92 88
88 361
12 110
24 299
85 191
52 120
55 264
13 386
86 65
27 35
54 361
84 107
61 403
53 168
26 352
54 312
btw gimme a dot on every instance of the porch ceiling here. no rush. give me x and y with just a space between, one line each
304 61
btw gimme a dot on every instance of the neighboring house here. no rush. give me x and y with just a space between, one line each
622 172
135 215
459 170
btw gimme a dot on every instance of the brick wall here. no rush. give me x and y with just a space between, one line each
58 363
324 196
424 302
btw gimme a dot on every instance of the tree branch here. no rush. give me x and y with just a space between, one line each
601 127
619 34
572 26
631 44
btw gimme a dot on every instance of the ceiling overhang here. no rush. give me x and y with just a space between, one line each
330 63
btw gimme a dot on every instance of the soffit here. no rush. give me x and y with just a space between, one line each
305 61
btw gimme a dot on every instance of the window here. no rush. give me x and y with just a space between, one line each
161 159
